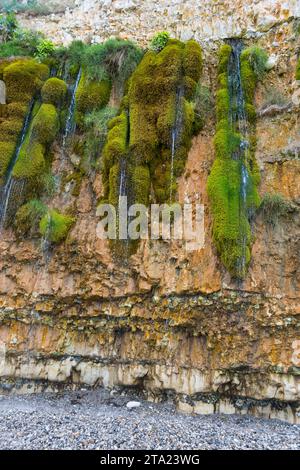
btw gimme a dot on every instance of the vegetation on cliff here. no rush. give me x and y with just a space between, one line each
156 118
233 181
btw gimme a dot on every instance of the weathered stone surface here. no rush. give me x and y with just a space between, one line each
99 19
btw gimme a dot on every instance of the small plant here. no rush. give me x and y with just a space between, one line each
54 226
8 26
258 59
159 41
273 207
44 49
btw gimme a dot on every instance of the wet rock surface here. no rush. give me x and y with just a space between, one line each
100 420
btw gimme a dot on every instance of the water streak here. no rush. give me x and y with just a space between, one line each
70 122
175 133
7 190
239 123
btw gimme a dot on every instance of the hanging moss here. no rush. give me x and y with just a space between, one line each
158 100
23 79
231 228
91 96
54 91
55 226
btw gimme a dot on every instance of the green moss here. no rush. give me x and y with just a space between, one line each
158 99
192 60
141 184
45 124
6 153
91 96
298 70
28 218
31 162
54 91
55 226
23 79
231 227
224 54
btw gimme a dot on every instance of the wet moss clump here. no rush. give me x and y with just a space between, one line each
23 79
156 117
91 95
54 91
54 226
231 226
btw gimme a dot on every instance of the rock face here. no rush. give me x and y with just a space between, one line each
99 19
168 320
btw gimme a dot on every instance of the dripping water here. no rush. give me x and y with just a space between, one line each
12 187
70 122
239 123
175 133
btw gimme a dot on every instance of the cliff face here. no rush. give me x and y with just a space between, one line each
97 20
169 321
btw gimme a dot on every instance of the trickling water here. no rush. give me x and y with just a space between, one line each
70 122
175 133
122 184
239 123
9 186
45 241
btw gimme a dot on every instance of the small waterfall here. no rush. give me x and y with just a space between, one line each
122 184
70 122
239 123
175 133
11 186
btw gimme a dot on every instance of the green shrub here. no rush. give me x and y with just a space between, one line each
159 41
55 226
44 49
28 217
115 60
8 25
258 59
273 207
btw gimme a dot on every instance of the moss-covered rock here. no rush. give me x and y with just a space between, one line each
91 96
54 91
298 70
23 79
45 124
231 228
155 116
55 226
